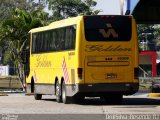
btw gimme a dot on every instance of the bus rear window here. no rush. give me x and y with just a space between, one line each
108 28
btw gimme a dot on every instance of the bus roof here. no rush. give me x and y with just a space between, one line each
58 24
64 22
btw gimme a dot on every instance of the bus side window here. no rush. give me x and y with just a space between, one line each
61 38
67 40
40 46
38 42
70 38
56 40
46 41
52 41
49 41
33 43
73 37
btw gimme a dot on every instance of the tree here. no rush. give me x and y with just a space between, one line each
69 8
23 15
157 36
146 37
6 7
14 34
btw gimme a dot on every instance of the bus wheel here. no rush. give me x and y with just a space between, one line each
65 99
37 96
114 99
79 99
58 93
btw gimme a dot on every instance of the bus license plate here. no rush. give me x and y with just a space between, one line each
111 76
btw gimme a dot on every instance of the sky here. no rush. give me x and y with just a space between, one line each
113 6
108 6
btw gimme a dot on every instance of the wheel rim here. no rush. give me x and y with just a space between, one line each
57 90
63 94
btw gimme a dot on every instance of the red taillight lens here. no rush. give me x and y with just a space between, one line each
106 17
113 17
79 72
130 17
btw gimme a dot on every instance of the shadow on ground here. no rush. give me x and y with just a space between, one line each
126 101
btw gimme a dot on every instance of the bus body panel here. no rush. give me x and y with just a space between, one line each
110 62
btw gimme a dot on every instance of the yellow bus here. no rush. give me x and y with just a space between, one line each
84 56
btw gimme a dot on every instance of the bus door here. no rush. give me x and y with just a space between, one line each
108 49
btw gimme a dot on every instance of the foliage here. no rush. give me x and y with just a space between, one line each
69 8
17 17
153 37
157 35
14 34
6 6
146 37
6 10
7 58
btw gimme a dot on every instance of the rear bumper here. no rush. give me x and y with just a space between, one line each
101 89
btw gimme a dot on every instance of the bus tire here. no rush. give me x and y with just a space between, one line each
65 98
79 99
58 93
113 99
32 86
37 96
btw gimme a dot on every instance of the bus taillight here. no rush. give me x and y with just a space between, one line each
106 17
79 72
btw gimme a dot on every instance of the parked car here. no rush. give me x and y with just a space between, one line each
156 87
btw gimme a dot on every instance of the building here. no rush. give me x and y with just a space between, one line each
148 64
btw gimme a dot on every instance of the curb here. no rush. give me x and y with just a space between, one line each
141 94
154 95
29 94
3 94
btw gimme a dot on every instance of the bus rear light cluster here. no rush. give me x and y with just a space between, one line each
106 17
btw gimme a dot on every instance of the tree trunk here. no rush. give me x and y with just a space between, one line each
2 56
20 72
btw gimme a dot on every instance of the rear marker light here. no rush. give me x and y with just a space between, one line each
106 17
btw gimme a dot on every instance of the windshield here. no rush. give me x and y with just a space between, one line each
107 28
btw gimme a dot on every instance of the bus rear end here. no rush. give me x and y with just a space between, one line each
109 56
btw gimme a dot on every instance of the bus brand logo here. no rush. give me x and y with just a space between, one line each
110 32
42 61
102 48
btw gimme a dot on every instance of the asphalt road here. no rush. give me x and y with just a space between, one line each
21 107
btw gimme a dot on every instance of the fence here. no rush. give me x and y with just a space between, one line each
13 83
10 83
147 82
